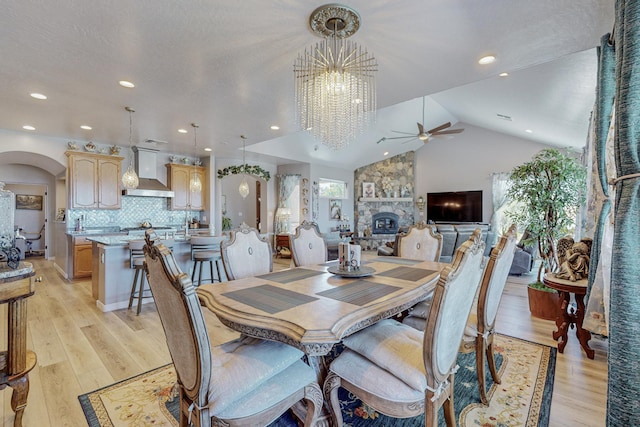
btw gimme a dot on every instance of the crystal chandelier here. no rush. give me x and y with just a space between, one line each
335 87
243 189
130 178
195 185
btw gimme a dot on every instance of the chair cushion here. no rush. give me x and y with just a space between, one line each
240 366
206 255
422 308
363 373
394 347
415 322
471 329
280 386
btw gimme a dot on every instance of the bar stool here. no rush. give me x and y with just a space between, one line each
205 249
136 261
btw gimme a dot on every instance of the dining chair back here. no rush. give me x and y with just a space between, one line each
244 382
480 329
246 254
421 242
402 372
308 246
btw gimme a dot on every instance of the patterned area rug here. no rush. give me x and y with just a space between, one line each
523 398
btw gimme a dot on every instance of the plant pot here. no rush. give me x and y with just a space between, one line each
543 304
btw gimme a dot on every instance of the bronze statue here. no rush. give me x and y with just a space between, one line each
575 264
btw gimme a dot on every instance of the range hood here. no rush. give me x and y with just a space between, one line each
146 168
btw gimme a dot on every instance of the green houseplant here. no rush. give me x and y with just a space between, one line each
548 191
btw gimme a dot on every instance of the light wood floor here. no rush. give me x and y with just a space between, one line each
80 349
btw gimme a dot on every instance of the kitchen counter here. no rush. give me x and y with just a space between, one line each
112 274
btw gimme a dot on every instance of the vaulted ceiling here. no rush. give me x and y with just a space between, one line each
228 66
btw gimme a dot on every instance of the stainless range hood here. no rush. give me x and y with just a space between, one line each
146 168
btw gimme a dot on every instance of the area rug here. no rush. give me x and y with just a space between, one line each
522 399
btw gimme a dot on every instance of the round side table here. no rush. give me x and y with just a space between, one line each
567 315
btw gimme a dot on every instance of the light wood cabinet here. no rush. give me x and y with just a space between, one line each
82 258
179 177
93 181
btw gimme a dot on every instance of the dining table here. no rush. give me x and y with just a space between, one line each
314 307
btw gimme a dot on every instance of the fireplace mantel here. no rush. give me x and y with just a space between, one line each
386 199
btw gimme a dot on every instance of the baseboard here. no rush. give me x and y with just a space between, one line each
60 270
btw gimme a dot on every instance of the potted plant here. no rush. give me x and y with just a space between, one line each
548 191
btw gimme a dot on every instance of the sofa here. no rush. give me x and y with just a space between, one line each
453 235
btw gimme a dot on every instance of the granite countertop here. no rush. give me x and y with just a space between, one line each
25 269
124 240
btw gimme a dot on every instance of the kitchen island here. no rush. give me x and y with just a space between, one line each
112 275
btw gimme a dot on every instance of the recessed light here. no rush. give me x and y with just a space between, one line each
386 153
503 74
38 95
274 127
28 127
208 149
85 127
489 59
528 131
182 130
125 83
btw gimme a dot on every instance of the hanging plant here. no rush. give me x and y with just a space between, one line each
244 169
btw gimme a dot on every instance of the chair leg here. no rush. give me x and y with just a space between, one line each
431 412
200 274
218 270
449 413
133 287
140 292
211 271
480 348
331 386
313 396
193 273
492 361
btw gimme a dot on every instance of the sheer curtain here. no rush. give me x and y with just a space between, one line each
288 203
499 188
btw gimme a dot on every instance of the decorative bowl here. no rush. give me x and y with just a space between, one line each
114 150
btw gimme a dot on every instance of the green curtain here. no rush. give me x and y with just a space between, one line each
623 402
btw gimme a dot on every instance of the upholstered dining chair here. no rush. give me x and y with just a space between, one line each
421 242
307 245
246 254
402 372
243 382
480 329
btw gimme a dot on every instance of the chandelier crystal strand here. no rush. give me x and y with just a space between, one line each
130 179
195 185
335 90
243 188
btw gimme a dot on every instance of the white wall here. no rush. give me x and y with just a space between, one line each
466 162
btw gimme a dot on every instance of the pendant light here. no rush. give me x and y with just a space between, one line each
243 189
195 185
130 177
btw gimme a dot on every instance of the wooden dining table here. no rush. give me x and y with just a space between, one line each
312 309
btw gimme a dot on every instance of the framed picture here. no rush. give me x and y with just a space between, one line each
26 201
335 209
60 214
368 189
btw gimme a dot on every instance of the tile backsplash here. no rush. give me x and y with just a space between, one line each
133 212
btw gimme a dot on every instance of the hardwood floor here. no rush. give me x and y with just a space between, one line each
80 349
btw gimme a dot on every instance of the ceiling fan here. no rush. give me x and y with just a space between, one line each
422 135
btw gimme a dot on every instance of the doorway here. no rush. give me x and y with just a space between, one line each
30 217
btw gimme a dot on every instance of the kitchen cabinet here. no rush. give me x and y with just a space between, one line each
93 181
179 177
82 258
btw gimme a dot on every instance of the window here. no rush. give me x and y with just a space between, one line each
331 188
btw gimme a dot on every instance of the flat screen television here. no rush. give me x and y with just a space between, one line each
455 206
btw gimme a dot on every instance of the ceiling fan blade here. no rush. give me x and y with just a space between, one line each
409 140
442 126
402 137
446 132
420 129
405 133
383 139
